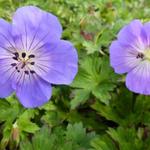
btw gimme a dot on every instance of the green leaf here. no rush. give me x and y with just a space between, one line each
75 137
24 122
41 140
103 143
77 134
103 92
26 145
126 138
80 98
96 77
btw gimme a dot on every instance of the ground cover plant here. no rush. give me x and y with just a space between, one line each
96 111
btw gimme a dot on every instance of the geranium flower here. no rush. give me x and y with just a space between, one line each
32 56
130 54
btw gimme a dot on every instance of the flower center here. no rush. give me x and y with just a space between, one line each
23 60
147 54
144 56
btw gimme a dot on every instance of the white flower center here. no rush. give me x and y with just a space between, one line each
23 59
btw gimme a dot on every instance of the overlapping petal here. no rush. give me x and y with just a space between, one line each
132 34
145 30
123 58
35 27
57 62
6 73
138 80
6 49
6 39
6 90
33 91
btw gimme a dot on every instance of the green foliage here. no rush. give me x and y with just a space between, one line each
120 138
126 139
73 138
95 76
96 112
103 143
15 120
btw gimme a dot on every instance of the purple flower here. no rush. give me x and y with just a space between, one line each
32 56
130 54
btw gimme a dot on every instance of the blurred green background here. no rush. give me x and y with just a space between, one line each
96 112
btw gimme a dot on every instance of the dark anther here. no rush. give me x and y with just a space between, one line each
17 69
15 58
32 71
140 55
16 54
13 64
23 55
23 65
31 56
32 63
26 72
